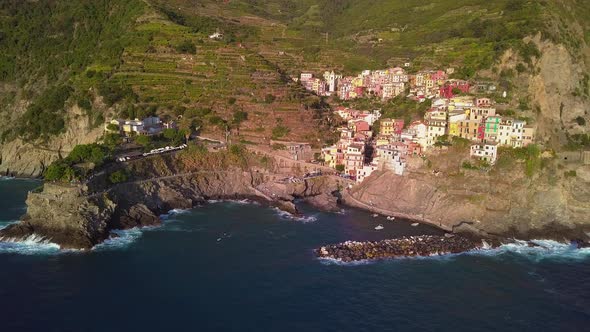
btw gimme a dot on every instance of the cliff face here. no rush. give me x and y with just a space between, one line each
76 217
501 204
62 214
29 159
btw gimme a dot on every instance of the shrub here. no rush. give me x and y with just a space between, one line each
468 165
187 47
118 176
520 68
580 121
112 127
569 174
340 168
269 98
280 131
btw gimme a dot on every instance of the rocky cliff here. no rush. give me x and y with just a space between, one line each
82 216
29 159
503 204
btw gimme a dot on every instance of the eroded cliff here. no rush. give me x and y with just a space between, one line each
503 204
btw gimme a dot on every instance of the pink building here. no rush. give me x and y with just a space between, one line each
398 126
446 91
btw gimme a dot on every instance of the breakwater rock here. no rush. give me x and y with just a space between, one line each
427 245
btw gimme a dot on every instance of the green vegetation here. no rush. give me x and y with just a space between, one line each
78 163
530 155
280 131
570 174
47 44
468 165
578 141
118 176
186 46
155 57
197 158
340 168
45 117
580 121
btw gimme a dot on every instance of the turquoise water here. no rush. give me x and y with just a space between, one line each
230 266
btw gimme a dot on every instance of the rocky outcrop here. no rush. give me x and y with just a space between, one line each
64 215
427 245
29 159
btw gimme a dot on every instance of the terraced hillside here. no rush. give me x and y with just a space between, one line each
68 67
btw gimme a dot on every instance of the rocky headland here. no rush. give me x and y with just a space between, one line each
79 216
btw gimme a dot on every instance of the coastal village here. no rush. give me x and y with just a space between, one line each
369 142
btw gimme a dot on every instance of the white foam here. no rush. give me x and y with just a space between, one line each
123 240
7 178
334 261
32 245
287 215
543 250
173 212
4 224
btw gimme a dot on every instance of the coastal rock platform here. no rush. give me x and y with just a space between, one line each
427 245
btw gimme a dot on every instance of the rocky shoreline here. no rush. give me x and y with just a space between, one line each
84 215
413 246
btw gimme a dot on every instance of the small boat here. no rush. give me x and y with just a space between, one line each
379 227
375 215
219 239
415 224
390 218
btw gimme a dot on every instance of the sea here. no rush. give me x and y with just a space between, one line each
239 266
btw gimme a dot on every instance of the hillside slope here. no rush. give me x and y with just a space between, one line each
69 67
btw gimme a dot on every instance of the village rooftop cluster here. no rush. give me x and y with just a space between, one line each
389 83
360 151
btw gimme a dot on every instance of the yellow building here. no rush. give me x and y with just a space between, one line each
387 127
381 140
330 156
455 119
358 82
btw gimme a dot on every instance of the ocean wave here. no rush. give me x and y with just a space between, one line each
339 262
7 178
32 245
289 216
537 250
122 240
173 212
6 223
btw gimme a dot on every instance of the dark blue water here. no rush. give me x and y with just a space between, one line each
241 267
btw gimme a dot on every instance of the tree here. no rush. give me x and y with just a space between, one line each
186 46
112 127
340 168
143 140
118 176
239 117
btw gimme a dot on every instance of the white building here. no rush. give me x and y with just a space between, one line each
391 159
365 172
487 152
